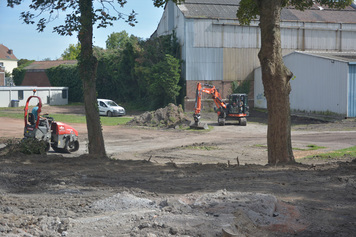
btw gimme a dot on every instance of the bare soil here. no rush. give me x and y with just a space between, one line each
173 182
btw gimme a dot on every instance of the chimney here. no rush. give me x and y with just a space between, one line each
10 51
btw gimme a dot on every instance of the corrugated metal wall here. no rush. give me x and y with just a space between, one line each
352 91
320 84
224 50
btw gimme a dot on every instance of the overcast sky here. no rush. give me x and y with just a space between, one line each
27 43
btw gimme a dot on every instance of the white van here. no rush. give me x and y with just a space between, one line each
110 108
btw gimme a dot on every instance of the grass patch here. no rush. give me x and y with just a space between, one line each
12 115
310 147
72 118
112 121
201 147
105 121
347 152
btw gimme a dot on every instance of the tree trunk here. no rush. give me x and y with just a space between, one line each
275 78
87 71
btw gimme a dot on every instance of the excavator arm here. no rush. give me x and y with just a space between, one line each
211 90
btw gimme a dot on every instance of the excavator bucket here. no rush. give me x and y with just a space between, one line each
199 125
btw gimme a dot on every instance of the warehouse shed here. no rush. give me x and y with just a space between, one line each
322 82
17 95
217 49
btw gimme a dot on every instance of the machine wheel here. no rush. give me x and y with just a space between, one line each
221 121
243 121
73 146
109 114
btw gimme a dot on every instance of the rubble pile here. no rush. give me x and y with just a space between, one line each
171 116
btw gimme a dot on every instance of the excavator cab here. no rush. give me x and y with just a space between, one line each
238 104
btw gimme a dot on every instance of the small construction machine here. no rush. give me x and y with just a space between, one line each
236 109
60 136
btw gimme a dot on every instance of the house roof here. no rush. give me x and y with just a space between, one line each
6 53
226 9
42 65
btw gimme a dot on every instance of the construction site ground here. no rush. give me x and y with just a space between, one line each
175 182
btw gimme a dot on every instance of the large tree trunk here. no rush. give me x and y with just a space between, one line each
275 77
87 71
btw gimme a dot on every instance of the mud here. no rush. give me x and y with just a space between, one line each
174 182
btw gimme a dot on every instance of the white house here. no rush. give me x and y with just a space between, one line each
322 82
216 49
8 62
7 59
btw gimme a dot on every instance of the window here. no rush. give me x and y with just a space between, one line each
64 94
20 95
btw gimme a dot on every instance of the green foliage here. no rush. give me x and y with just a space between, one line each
144 73
32 146
347 152
19 72
24 62
164 81
72 52
118 40
67 75
27 146
242 87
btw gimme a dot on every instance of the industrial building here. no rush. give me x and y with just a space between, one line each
217 50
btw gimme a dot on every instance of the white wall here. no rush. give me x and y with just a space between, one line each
48 95
9 65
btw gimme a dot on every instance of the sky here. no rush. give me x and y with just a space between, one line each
27 43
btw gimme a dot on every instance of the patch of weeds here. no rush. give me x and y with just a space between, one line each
25 146
347 152
201 146
260 145
310 147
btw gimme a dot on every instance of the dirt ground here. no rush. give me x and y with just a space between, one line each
171 182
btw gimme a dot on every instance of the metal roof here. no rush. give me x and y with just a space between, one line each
226 9
349 57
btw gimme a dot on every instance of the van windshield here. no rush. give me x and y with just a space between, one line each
111 103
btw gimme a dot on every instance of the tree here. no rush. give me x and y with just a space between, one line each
165 77
118 40
81 18
275 75
72 52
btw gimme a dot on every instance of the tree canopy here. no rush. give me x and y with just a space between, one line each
72 52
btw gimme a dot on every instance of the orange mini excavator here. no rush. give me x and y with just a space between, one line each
236 109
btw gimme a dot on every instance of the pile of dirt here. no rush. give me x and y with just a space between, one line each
171 116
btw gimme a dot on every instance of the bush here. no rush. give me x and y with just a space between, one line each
26 146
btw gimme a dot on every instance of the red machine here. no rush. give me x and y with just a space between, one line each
236 109
60 136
